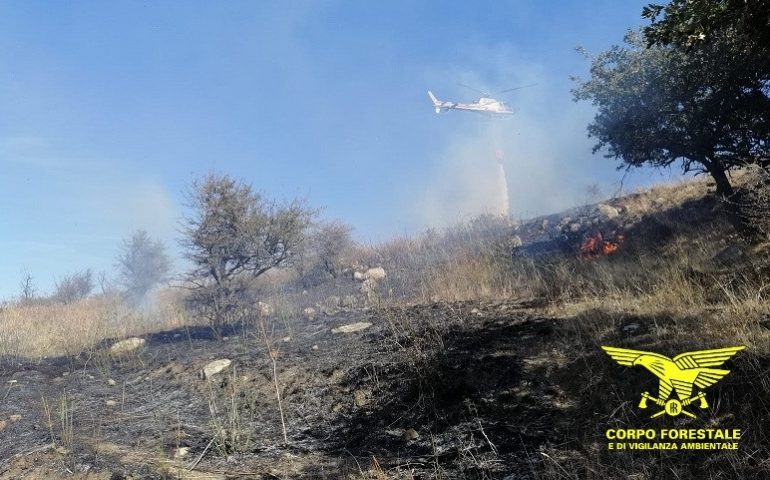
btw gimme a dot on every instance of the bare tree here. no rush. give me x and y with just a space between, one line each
27 286
233 236
105 286
142 264
74 287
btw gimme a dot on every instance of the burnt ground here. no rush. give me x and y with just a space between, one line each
491 390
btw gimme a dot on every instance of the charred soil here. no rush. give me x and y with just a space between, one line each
446 390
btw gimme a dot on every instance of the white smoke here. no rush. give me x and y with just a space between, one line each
504 205
469 183
548 163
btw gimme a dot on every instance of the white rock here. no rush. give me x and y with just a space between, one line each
351 328
110 403
376 274
361 398
212 368
127 345
111 382
309 312
264 309
608 210
181 452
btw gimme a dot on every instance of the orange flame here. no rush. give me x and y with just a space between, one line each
595 245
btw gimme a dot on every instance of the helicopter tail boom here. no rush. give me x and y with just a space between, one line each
436 103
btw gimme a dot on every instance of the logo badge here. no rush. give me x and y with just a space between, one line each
682 374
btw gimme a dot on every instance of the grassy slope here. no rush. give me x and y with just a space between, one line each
494 387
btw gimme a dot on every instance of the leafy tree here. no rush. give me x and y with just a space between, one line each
142 264
232 236
692 23
705 108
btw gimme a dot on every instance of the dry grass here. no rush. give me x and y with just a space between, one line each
47 329
465 262
468 277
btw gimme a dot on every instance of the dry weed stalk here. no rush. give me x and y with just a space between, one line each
230 432
66 424
273 353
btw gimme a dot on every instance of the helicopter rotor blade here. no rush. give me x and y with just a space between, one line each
474 89
516 88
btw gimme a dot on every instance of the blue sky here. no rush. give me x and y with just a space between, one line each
109 109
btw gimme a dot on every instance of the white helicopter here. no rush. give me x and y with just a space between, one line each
485 104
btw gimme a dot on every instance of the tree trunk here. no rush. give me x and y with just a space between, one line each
724 188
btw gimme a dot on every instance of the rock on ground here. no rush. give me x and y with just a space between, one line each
127 345
376 274
212 368
352 327
608 210
264 309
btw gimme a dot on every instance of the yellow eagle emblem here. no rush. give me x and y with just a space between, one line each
680 374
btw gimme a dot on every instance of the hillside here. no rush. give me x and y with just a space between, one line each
477 356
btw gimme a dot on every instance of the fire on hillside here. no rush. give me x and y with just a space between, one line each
595 244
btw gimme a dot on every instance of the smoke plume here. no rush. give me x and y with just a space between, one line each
504 207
